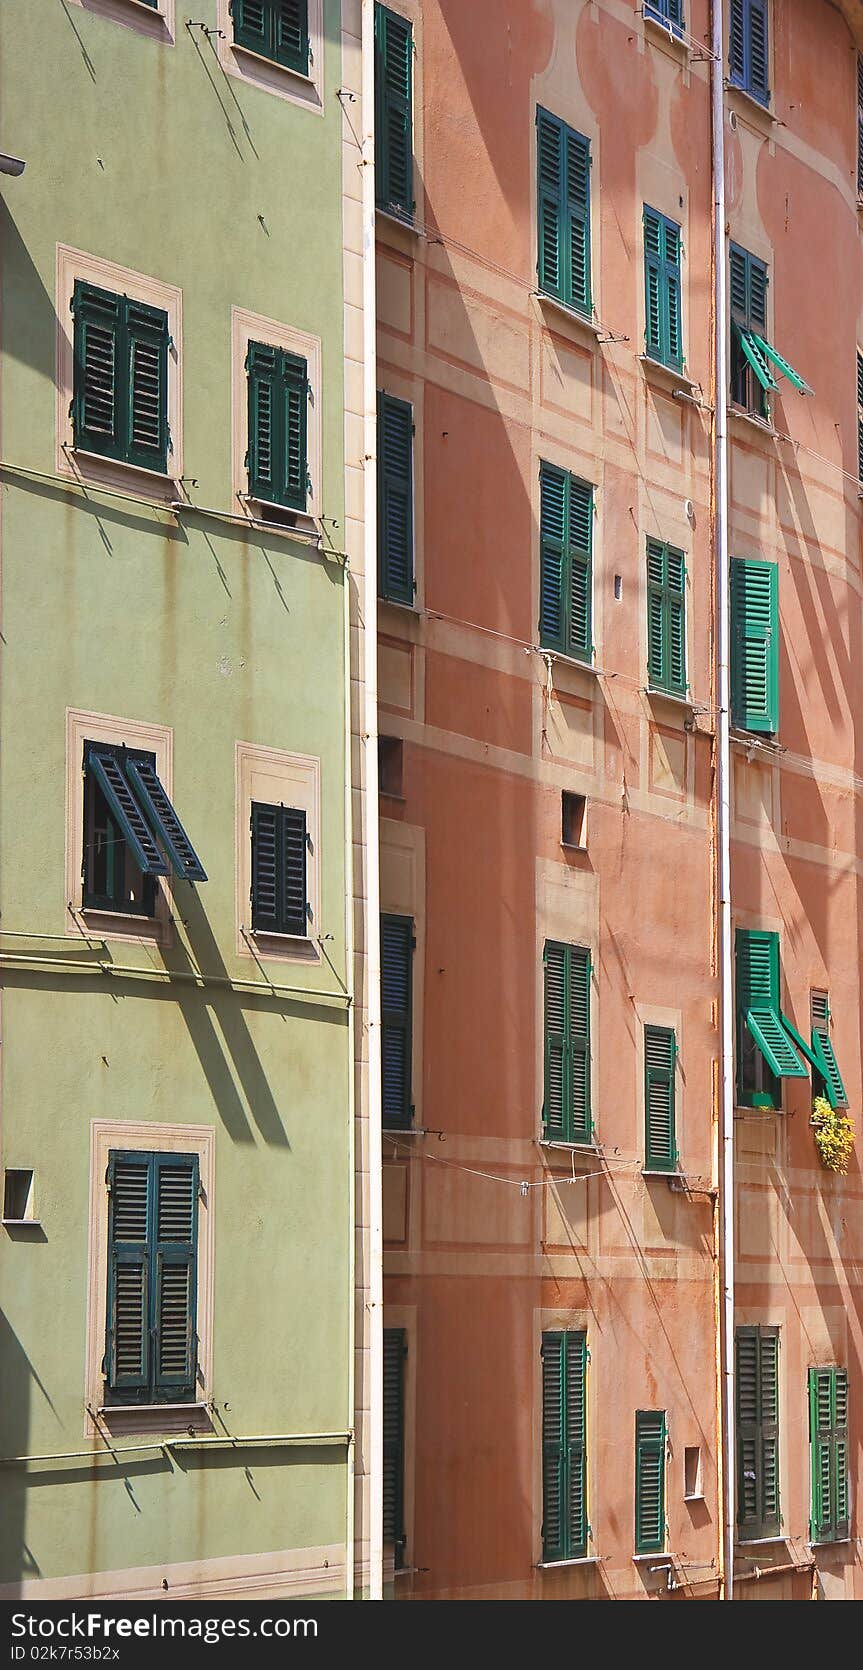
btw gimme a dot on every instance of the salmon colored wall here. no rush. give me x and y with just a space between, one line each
474 1269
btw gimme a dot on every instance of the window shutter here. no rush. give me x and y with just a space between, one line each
147 329
652 280
291 42
395 1352
577 251
395 499
278 396
97 325
109 774
176 1239
552 535
397 943
564 1452
666 618
822 1047
295 402
293 846
550 170
265 891
580 542
755 645
671 255
578 995
757 954
252 24
739 285
554 1108
127 1355
665 11
737 42
757 278
823 1506
394 100
676 622
649 1481
859 126
757 78
566 1107
660 1055
840 1453
860 415
262 383
164 821
757 1403
657 652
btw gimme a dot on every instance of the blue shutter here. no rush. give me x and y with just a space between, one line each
397 945
666 11
395 500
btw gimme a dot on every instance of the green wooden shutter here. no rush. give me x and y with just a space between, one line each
395 1352
822 1046
828 1447
174 1275
550 174
397 947
97 325
395 499
758 1005
757 1406
163 820
663 325
666 618
127 1351
291 34
564 1451
293 848
650 1444
278 397
295 403
660 1056
263 401
555 1118
840 1453
553 557
107 767
755 645
253 25
566 1106
394 112
578 1040
265 887
279 893
147 347
577 220
580 563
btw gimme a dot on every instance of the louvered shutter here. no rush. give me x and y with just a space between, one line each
757 1406
564 1449
555 1113
673 310
294 406
253 25
660 1054
265 889
577 210
109 774
663 329
277 456
757 81
666 618
842 1523
755 645
395 499
580 553
649 1481
737 42
575 1352
394 112
164 821
397 944
653 285
822 1045
578 1042
657 649
823 1505
860 416
665 11
95 404
279 892
566 1105
175 1275
757 959
550 168
395 1352
552 560
262 386
859 125
291 34
147 347
293 846
127 1353
676 604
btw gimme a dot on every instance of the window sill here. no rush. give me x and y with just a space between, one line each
752 106
586 322
762 425
190 1408
396 1131
564 1565
760 742
667 33
398 603
759 1542
394 218
21 1223
297 946
166 1421
300 76
832 1542
653 1171
671 696
664 1560
574 846
590 1146
694 1496
667 373
98 469
569 663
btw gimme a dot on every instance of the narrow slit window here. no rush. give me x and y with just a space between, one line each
573 820
391 766
18 1199
397 948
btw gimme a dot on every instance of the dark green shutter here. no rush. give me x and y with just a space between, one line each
859 126
563 212
566 561
564 1446
860 414
147 417
649 1481
151 1340
262 384
107 768
758 1002
395 500
394 112
755 645
265 890
822 1046
566 1109
163 820
279 892
120 378
397 946
666 618
278 396
277 29
660 1056
663 326
293 848
757 1406
252 21
95 417
395 1352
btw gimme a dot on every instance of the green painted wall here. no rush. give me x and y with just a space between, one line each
150 156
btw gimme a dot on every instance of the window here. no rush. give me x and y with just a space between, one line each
565 562
131 832
755 645
279 896
860 417
573 820
395 500
666 618
395 1352
397 948
563 212
753 358
859 125
151 1337
650 1444
666 11
566 1112
757 1404
766 1041
277 459
693 1490
662 307
277 29
153 18
394 113
120 395
829 1519
660 1062
391 766
564 1446
18 1201
747 48
827 1079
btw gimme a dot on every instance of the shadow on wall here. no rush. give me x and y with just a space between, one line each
17 1378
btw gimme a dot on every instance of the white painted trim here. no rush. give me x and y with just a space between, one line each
149 1137
288 1573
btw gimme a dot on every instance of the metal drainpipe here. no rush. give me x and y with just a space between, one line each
374 1455
723 802
350 967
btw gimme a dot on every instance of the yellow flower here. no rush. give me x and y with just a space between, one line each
834 1135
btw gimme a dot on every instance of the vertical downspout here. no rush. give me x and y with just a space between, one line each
350 976
371 903
723 798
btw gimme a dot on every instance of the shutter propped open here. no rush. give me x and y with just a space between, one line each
164 822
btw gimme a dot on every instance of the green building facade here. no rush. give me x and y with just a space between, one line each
176 1268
